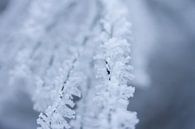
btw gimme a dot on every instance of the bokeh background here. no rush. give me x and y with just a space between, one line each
167 99
164 60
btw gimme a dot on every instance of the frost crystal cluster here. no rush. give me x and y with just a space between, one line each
75 59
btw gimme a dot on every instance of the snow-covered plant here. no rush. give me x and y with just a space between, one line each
113 70
57 115
77 66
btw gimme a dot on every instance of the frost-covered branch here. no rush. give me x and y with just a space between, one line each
58 115
114 71
83 54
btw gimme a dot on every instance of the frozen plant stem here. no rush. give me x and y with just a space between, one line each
83 54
